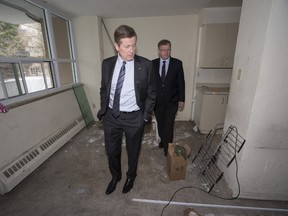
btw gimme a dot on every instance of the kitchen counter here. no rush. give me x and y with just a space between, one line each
216 90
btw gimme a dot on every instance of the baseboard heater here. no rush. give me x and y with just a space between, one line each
16 171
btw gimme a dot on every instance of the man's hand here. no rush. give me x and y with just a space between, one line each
181 105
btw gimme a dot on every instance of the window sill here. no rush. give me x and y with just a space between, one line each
32 97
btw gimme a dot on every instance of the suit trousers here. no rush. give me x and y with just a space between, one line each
132 126
165 116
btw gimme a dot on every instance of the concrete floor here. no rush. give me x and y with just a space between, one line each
73 182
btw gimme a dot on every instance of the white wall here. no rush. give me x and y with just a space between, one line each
258 101
220 15
89 55
28 125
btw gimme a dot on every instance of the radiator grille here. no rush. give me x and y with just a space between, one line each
33 154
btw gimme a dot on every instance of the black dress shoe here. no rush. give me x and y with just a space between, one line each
160 145
112 186
128 185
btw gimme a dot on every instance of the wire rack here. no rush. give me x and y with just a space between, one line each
211 156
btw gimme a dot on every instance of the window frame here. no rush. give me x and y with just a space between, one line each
53 60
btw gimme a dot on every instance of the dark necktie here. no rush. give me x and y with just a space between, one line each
116 102
163 71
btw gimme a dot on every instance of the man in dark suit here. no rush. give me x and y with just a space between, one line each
170 92
128 95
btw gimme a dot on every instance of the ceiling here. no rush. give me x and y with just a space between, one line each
134 8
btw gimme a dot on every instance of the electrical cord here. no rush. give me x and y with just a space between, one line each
219 197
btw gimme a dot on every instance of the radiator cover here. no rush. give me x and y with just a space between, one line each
13 173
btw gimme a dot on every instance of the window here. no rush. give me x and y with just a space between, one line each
11 79
36 50
63 51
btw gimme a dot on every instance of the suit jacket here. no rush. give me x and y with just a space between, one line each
144 80
173 89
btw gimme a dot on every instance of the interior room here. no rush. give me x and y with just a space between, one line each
234 59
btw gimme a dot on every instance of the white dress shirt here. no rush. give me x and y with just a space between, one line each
127 98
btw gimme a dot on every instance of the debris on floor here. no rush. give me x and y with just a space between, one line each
191 212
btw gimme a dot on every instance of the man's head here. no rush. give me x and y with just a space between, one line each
125 42
164 49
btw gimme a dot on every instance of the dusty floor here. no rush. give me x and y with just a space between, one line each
73 182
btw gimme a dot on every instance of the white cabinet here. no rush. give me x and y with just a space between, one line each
210 109
217 45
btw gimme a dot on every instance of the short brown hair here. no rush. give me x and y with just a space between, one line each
164 42
124 31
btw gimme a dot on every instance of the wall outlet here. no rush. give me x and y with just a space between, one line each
239 74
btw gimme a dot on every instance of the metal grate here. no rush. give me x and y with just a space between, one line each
20 163
210 156
33 154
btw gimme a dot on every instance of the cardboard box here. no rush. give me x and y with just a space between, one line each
177 164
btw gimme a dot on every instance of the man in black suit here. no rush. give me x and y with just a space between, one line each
170 92
128 95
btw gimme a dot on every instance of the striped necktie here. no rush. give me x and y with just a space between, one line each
163 71
116 102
